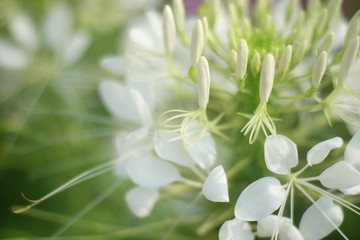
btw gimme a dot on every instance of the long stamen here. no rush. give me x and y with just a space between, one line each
339 200
261 119
281 212
78 179
322 212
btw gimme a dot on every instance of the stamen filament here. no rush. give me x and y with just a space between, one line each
322 212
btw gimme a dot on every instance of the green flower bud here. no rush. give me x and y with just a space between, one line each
319 69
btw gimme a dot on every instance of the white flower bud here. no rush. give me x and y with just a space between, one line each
326 43
203 82
299 23
255 63
260 11
169 30
267 78
233 57
333 9
353 28
319 69
242 59
214 9
205 26
233 39
234 18
348 59
290 9
285 59
321 23
275 51
179 14
247 26
243 5
313 6
197 42
299 52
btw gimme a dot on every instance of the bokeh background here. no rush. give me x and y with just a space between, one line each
53 126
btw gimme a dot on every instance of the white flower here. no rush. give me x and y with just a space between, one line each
67 45
41 54
261 198
146 169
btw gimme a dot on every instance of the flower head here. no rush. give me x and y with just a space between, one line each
261 198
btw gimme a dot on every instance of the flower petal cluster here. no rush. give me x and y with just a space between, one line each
66 44
263 197
186 91
157 151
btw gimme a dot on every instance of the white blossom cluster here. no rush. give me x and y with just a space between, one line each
205 99
223 57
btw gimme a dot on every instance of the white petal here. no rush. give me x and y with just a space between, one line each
118 101
351 191
23 31
135 140
172 150
320 151
266 226
280 154
114 65
148 36
260 199
141 200
339 27
12 57
236 229
340 175
146 90
215 187
288 231
58 28
120 140
120 170
150 172
314 225
76 48
142 109
203 150
145 67
352 151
